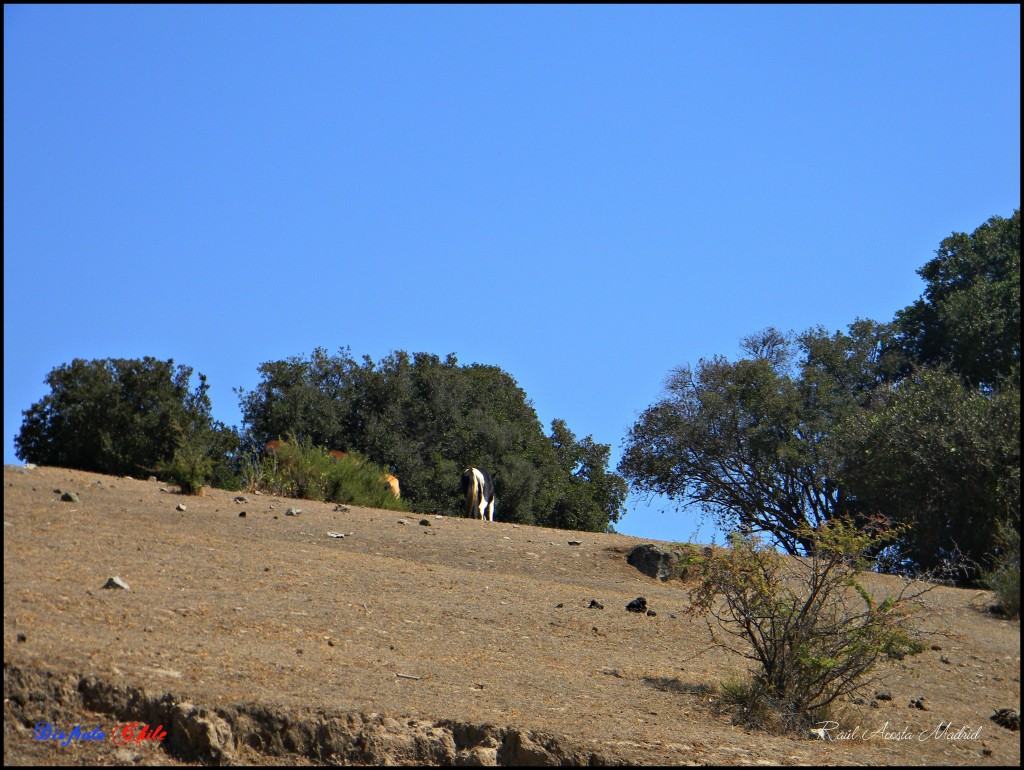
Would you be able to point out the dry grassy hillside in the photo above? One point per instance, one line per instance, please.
(262, 638)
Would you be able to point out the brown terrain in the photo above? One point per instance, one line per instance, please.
(262, 639)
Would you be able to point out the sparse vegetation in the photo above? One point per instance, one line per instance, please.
(691, 557)
(813, 631)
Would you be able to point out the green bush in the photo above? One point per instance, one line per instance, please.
(812, 630)
(115, 416)
(691, 557)
(190, 468)
(300, 470)
(204, 450)
(1004, 578)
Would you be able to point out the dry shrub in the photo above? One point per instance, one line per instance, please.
(812, 630)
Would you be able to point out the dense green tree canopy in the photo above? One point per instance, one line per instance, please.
(750, 441)
(940, 458)
(116, 416)
(427, 419)
(917, 421)
(969, 316)
(590, 498)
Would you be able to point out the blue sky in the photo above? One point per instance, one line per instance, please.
(585, 196)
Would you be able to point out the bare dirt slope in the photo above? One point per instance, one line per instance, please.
(261, 638)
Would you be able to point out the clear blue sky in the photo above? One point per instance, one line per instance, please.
(585, 196)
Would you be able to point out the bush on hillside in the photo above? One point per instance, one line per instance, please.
(1004, 578)
(298, 469)
(812, 630)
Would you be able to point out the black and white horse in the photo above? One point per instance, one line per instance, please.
(478, 489)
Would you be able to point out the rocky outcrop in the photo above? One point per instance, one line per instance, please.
(654, 561)
(1008, 718)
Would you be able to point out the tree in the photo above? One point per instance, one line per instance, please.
(426, 419)
(734, 439)
(310, 398)
(941, 459)
(969, 316)
(918, 420)
(591, 498)
(938, 448)
(118, 416)
(751, 442)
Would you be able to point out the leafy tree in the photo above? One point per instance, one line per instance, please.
(969, 316)
(842, 371)
(918, 420)
(426, 419)
(804, 431)
(309, 398)
(941, 459)
(591, 498)
(439, 418)
(750, 441)
(119, 416)
(938, 447)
